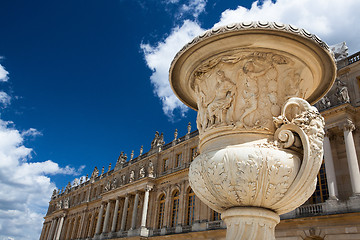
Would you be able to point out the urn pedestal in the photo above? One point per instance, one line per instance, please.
(260, 139)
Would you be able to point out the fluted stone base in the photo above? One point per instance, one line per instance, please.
(250, 223)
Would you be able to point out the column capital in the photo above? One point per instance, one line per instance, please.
(148, 188)
(348, 125)
(329, 133)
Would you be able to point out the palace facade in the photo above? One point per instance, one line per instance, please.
(149, 196)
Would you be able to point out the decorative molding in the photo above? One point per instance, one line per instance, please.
(253, 25)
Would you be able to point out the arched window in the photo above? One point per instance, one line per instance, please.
(175, 208)
(190, 207)
(161, 211)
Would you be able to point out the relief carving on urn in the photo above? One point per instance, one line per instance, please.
(260, 139)
(248, 92)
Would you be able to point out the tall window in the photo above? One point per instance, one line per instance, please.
(190, 207)
(175, 209)
(193, 153)
(178, 160)
(161, 211)
(118, 219)
(165, 164)
(321, 193)
(215, 216)
(94, 225)
(88, 222)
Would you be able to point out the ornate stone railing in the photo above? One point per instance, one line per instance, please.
(214, 225)
(310, 210)
(353, 58)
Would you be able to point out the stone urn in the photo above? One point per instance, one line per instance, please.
(253, 85)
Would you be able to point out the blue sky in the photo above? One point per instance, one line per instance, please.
(81, 81)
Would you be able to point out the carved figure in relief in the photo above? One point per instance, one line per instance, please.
(132, 176)
(66, 203)
(142, 172)
(123, 179)
(342, 92)
(219, 106)
(107, 186)
(324, 103)
(59, 205)
(255, 86)
(113, 184)
(151, 169)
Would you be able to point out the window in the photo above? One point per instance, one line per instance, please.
(175, 209)
(165, 164)
(161, 211)
(88, 222)
(193, 153)
(178, 160)
(215, 216)
(321, 192)
(190, 207)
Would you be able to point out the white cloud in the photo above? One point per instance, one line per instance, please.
(25, 187)
(4, 99)
(196, 7)
(332, 20)
(158, 59)
(3, 74)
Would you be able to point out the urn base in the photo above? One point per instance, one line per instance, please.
(250, 223)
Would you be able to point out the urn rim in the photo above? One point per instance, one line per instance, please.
(211, 42)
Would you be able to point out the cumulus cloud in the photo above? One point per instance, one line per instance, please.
(332, 20)
(25, 186)
(193, 6)
(158, 59)
(187, 8)
(4, 99)
(3, 73)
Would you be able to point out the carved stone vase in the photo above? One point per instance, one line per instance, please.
(260, 139)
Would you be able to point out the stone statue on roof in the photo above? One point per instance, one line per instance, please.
(340, 51)
(122, 158)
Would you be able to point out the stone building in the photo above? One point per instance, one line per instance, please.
(149, 196)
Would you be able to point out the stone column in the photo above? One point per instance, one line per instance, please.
(98, 224)
(134, 213)
(144, 231)
(53, 223)
(107, 215)
(56, 228)
(352, 158)
(167, 210)
(124, 214)
(83, 224)
(68, 228)
(145, 207)
(58, 233)
(329, 167)
(88, 234)
(114, 220)
(182, 205)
